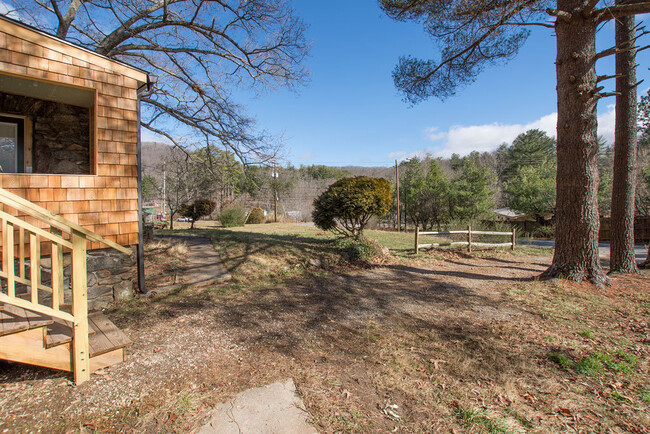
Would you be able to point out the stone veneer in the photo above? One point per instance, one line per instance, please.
(111, 277)
(61, 133)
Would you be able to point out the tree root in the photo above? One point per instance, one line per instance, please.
(596, 276)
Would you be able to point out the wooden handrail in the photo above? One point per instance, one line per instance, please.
(52, 219)
(36, 230)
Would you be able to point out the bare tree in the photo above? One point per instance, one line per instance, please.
(622, 255)
(199, 50)
(476, 34)
(185, 180)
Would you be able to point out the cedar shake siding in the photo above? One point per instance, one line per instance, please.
(80, 115)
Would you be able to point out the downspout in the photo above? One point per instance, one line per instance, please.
(140, 247)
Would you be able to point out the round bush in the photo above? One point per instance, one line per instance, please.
(233, 215)
(256, 216)
(349, 203)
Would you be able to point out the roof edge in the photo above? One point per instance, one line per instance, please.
(72, 44)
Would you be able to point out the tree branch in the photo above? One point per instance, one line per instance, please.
(562, 15)
(589, 8)
(607, 77)
(618, 11)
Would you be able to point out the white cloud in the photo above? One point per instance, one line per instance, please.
(149, 136)
(432, 134)
(606, 122)
(462, 139)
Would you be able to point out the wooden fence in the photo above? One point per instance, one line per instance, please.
(641, 229)
(469, 243)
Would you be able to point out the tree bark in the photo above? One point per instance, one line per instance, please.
(576, 237)
(622, 257)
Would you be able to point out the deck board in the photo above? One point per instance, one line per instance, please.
(99, 343)
(60, 332)
(36, 319)
(12, 320)
(107, 336)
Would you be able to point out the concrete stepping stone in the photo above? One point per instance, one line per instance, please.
(272, 409)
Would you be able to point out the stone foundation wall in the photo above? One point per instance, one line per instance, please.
(112, 277)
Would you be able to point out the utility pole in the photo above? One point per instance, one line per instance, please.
(275, 192)
(164, 204)
(399, 222)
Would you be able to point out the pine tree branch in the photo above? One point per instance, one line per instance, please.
(617, 50)
(608, 94)
(618, 11)
(607, 77)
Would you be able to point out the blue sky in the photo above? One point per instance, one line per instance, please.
(351, 113)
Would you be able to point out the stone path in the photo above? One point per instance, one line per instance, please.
(272, 409)
(203, 265)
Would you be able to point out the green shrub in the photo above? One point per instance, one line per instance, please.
(256, 216)
(359, 249)
(233, 215)
(349, 203)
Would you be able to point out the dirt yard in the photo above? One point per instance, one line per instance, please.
(442, 343)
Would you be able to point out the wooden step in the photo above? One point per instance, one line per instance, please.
(60, 332)
(107, 336)
(32, 338)
(14, 319)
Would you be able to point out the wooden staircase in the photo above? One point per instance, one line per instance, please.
(36, 326)
(37, 339)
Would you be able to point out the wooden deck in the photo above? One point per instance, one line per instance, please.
(37, 339)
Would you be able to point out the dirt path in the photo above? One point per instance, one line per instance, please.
(201, 265)
(355, 343)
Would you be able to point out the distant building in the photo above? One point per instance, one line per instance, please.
(510, 215)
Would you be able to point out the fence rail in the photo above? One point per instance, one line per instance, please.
(469, 243)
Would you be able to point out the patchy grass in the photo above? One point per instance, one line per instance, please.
(185, 403)
(561, 360)
(472, 418)
(163, 259)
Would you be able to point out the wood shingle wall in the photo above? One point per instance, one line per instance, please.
(104, 202)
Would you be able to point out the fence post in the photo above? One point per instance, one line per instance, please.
(469, 239)
(80, 347)
(514, 237)
(417, 239)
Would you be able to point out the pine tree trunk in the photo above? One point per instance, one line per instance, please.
(622, 257)
(576, 238)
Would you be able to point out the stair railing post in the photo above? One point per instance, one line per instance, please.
(80, 346)
(57, 272)
(9, 260)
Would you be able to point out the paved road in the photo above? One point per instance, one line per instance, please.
(641, 251)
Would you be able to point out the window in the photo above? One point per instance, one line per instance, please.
(12, 133)
(45, 127)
